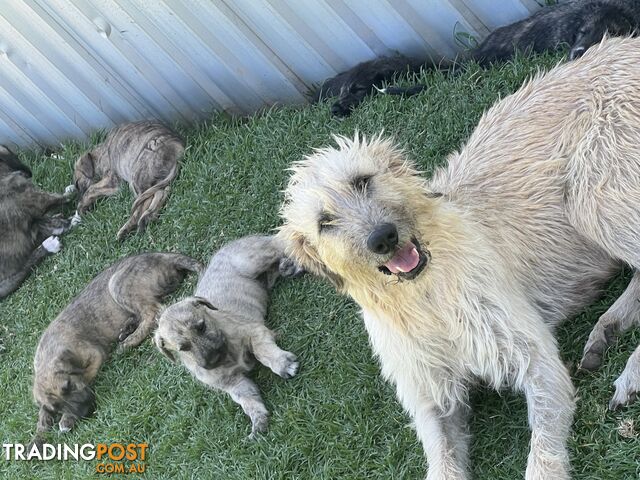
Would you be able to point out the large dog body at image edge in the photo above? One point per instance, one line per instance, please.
(464, 277)
(30, 232)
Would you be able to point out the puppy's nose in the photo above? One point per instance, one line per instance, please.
(383, 239)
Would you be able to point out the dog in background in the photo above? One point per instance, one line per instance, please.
(352, 86)
(119, 305)
(218, 333)
(575, 24)
(143, 154)
(463, 278)
(29, 232)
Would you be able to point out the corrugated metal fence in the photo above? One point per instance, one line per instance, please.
(69, 67)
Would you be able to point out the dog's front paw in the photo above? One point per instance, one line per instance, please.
(66, 423)
(288, 365)
(627, 385)
(70, 190)
(52, 244)
(289, 268)
(75, 220)
(259, 424)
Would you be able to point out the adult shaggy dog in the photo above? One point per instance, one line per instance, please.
(463, 278)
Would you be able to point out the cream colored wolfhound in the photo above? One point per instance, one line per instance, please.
(463, 278)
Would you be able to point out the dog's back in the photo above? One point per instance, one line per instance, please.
(9, 162)
(141, 153)
(575, 24)
(240, 275)
(17, 219)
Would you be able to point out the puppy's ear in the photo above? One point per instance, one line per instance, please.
(300, 251)
(203, 302)
(159, 341)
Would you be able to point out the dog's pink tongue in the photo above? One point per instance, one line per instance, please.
(405, 260)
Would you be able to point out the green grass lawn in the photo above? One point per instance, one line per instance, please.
(337, 419)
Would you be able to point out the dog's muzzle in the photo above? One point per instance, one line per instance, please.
(407, 262)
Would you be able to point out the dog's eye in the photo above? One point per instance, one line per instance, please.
(184, 347)
(360, 183)
(326, 221)
(201, 326)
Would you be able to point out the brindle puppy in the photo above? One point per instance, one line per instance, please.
(9, 162)
(29, 232)
(217, 344)
(76, 344)
(143, 154)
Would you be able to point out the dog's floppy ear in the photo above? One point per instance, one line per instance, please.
(159, 341)
(305, 255)
(203, 302)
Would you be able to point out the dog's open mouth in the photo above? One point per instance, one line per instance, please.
(408, 262)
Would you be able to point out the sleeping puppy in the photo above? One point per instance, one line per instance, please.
(217, 333)
(120, 304)
(143, 154)
(29, 232)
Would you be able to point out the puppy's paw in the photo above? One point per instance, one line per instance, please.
(288, 365)
(52, 244)
(67, 422)
(75, 220)
(289, 268)
(627, 386)
(259, 425)
(70, 190)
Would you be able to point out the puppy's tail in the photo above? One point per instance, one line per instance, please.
(145, 208)
(187, 264)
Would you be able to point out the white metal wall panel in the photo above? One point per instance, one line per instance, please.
(70, 67)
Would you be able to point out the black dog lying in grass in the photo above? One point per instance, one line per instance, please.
(577, 24)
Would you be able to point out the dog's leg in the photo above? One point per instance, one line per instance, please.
(621, 316)
(143, 213)
(48, 247)
(45, 421)
(53, 226)
(264, 347)
(246, 394)
(67, 422)
(107, 186)
(551, 403)
(446, 455)
(628, 384)
(147, 316)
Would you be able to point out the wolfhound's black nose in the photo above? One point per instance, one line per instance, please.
(383, 239)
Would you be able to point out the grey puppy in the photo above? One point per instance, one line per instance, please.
(29, 232)
(217, 344)
(143, 154)
(120, 304)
